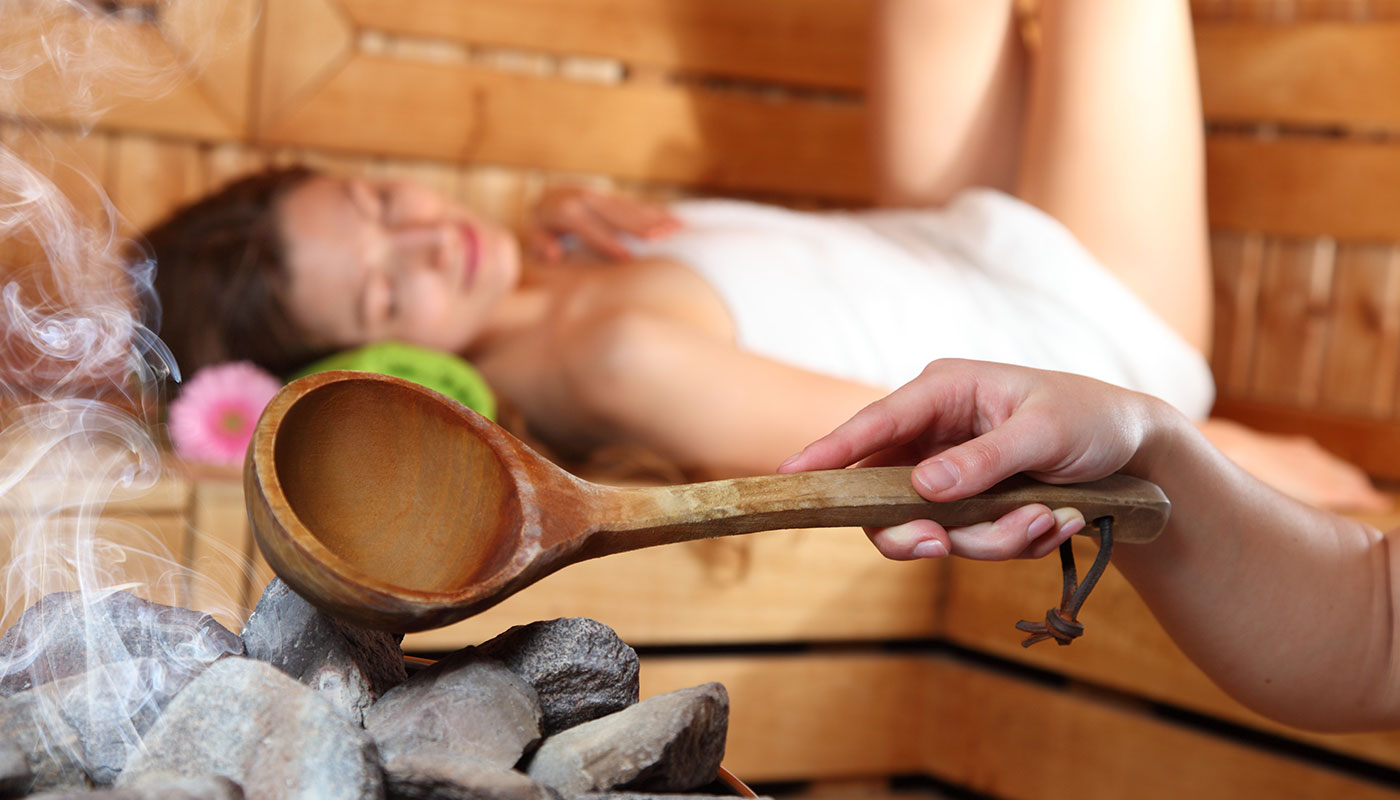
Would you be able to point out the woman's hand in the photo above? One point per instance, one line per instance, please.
(598, 219)
(967, 425)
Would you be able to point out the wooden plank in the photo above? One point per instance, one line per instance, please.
(215, 42)
(781, 586)
(217, 551)
(1363, 348)
(811, 716)
(1370, 444)
(1325, 74)
(807, 42)
(140, 553)
(1123, 648)
(1344, 188)
(840, 716)
(303, 42)
(1013, 739)
(228, 161)
(1292, 322)
(115, 72)
(1236, 261)
(153, 176)
(654, 133)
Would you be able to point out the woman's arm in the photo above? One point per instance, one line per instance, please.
(1289, 608)
(702, 403)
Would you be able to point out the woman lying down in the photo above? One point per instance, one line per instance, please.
(1054, 218)
(721, 335)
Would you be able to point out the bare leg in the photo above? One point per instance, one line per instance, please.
(1113, 148)
(947, 91)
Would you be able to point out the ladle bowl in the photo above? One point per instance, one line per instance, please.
(388, 504)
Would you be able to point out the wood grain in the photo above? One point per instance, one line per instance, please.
(783, 586)
(1302, 186)
(1320, 74)
(694, 136)
(810, 42)
(1363, 345)
(833, 716)
(1292, 321)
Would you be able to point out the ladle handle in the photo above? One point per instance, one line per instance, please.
(635, 518)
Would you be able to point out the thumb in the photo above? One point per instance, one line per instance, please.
(978, 464)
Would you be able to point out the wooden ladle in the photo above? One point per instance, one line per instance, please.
(390, 505)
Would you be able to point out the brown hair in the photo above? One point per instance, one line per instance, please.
(221, 280)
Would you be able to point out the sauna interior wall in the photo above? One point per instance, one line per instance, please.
(491, 100)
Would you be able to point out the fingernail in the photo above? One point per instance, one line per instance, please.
(1069, 520)
(930, 548)
(935, 476)
(789, 461)
(1040, 526)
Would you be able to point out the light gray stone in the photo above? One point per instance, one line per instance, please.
(163, 787)
(579, 667)
(668, 743)
(15, 776)
(432, 774)
(48, 745)
(464, 704)
(349, 665)
(247, 721)
(65, 633)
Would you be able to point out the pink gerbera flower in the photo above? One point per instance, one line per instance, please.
(212, 420)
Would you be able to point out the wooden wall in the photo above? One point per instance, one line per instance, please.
(489, 100)
(900, 669)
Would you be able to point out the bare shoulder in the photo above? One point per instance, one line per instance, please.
(658, 287)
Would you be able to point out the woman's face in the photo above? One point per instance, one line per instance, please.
(375, 260)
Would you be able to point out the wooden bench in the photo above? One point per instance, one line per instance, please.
(844, 669)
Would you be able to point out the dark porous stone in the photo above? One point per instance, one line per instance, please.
(578, 666)
(66, 632)
(247, 721)
(465, 704)
(15, 776)
(158, 787)
(349, 665)
(430, 774)
(669, 743)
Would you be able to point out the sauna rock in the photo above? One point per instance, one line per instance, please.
(250, 722)
(62, 633)
(463, 704)
(159, 787)
(50, 753)
(579, 667)
(668, 743)
(437, 775)
(349, 665)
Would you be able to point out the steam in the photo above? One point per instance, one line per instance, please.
(79, 378)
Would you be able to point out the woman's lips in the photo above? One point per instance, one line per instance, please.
(471, 253)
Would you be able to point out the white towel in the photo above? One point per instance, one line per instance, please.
(874, 296)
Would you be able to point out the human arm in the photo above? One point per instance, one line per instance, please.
(599, 219)
(702, 403)
(1288, 608)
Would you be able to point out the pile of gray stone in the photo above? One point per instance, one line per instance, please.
(301, 705)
